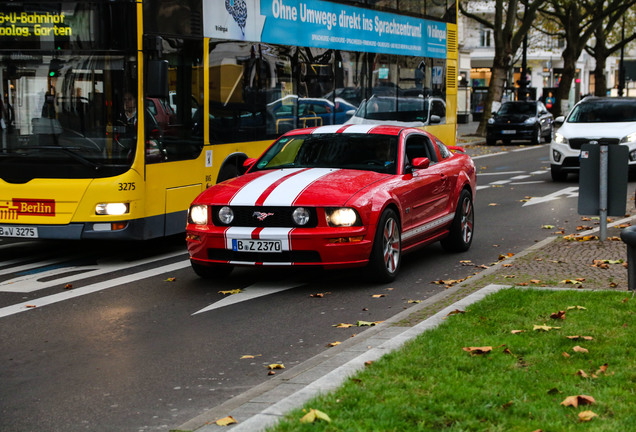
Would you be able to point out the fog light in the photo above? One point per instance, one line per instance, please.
(556, 156)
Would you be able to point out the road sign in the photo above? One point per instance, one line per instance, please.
(590, 180)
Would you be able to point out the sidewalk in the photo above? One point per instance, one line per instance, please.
(558, 263)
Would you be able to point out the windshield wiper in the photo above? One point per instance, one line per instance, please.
(69, 151)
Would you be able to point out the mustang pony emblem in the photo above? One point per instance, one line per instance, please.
(261, 216)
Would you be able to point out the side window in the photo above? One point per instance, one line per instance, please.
(418, 146)
(443, 150)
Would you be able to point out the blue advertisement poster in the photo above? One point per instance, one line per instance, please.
(322, 24)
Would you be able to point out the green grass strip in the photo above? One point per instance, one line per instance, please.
(432, 384)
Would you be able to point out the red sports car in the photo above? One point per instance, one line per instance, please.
(336, 196)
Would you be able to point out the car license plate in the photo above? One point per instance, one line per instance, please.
(508, 132)
(272, 246)
(18, 231)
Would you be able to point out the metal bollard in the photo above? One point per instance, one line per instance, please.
(628, 235)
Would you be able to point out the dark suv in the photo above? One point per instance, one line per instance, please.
(520, 120)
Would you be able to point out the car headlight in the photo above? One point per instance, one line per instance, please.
(530, 121)
(301, 216)
(560, 139)
(629, 138)
(341, 217)
(198, 214)
(491, 120)
(112, 209)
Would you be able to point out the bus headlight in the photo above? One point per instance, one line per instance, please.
(112, 209)
(341, 217)
(198, 214)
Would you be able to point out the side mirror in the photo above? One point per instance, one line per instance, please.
(248, 163)
(421, 163)
(456, 149)
(435, 119)
(157, 79)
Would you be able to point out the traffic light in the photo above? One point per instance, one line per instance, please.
(55, 67)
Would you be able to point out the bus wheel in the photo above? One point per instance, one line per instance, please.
(213, 271)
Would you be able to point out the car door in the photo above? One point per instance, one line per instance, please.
(545, 118)
(426, 191)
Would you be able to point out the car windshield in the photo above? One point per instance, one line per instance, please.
(604, 111)
(348, 151)
(516, 108)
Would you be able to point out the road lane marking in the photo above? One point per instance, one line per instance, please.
(89, 289)
(251, 292)
(55, 276)
(569, 192)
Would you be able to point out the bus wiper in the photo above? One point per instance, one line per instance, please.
(69, 151)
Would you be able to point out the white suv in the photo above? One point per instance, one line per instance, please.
(605, 120)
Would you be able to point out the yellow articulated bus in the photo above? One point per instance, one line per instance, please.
(116, 114)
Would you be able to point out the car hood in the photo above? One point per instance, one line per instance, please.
(597, 130)
(512, 118)
(293, 186)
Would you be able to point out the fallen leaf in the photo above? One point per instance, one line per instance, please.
(576, 307)
(586, 416)
(558, 315)
(171, 279)
(517, 331)
(368, 323)
(547, 226)
(478, 350)
(580, 349)
(248, 356)
(342, 325)
(333, 344)
(275, 366)
(577, 400)
(582, 373)
(544, 328)
(535, 281)
(492, 204)
(314, 415)
(30, 306)
(566, 355)
(230, 292)
(602, 369)
(226, 421)
(317, 295)
(455, 312)
(414, 301)
(378, 295)
(68, 286)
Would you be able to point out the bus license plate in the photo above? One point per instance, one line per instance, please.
(18, 231)
(272, 246)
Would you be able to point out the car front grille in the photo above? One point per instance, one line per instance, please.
(577, 143)
(254, 216)
(282, 257)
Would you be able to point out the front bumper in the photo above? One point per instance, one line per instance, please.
(321, 246)
(567, 159)
(511, 132)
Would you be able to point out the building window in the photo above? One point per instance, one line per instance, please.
(485, 36)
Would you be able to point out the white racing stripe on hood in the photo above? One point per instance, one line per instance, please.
(248, 195)
(362, 128)
(286, 193)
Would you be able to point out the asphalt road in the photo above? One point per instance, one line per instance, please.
(125, 337)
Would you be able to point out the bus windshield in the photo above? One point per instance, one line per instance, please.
(67, 116)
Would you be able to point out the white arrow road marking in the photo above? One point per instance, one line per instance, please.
(569, 192)
(31, 282)
(251, 292)
(89, 289)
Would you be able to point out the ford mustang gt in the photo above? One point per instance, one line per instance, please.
(336, 196)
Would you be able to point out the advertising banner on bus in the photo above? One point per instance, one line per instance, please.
(322, 24)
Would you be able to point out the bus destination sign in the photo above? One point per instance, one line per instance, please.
(33, 24)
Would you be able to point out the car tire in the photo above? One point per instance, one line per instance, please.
(462, 229)
(212, 271)
(557, 174)
(536, 139)
(548, 137)
(386, 254)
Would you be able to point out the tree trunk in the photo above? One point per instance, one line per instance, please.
(495, 92)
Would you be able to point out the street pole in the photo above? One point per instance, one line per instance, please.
(524, 70)
(621, 65)
(603, 191)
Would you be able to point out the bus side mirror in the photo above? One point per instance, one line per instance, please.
(157, 79)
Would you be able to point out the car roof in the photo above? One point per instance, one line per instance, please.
(371, 129)
(589, 99)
